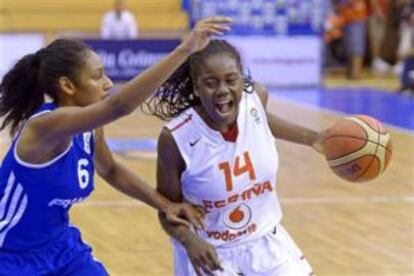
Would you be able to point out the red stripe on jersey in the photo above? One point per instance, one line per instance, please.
(231, 134)
(186, 120)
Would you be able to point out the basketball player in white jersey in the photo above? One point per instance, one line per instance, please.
(218, 151)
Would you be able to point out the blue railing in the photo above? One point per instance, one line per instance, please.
(263, 17)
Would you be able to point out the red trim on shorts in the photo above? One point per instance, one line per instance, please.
(186, 120)
(231, 134)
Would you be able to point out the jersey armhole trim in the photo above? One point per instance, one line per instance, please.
(41, 165)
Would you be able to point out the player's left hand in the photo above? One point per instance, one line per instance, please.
(203, 31)
(185, 214)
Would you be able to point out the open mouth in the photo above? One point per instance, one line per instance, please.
(224, 107)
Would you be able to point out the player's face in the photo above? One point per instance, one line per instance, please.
(93, 84)
(219, 84)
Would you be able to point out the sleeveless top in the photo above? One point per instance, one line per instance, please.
(35, 198)
(235, 182)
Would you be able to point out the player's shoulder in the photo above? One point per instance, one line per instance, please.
(182, 121)
(261, 92)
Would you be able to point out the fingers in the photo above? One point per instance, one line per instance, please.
(211, 262)
(195, 216)
(217, 19)
(202, 32)
(214, 25)
(218, 29)
(198, 223)
(197, 267)
(177, 220)
(202, 24)
(203, 257)
(213, 29)
(200, 209)
(207, 271)
(206, 264)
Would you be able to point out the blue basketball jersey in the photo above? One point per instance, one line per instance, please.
(35, 198)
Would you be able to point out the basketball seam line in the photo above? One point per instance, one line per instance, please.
(368, 125)
(374, 155)
(357, 138)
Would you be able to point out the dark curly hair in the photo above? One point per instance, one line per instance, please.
(177, 93)
(24, 87)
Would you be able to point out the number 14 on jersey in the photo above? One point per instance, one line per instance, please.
(239, 168)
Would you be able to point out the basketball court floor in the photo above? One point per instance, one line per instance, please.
(344, 229)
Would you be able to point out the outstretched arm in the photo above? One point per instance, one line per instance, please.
(130, 184)
(289, 131)
(67, 121)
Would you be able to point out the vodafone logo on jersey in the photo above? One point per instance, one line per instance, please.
(238, 217)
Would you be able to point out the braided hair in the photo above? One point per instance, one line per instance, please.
(24, 87)
(177, 93)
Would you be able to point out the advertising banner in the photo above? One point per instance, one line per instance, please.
(124, 59)
(281, 60)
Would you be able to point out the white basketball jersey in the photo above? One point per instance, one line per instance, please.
(234, 181)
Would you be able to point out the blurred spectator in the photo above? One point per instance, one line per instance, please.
(405, 21)
(119, 23)
(378, 11)
(405, 66)
(407, 75)
(333, 36)
(354, 13)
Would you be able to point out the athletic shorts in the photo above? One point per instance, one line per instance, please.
(355, 38)
(274, 254)
(66, 257)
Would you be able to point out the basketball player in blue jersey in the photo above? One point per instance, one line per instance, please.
(57, 146)
(218, 151)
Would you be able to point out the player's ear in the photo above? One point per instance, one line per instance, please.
(66, 85)
(196, 93)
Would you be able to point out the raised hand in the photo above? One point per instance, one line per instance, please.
(201, 34)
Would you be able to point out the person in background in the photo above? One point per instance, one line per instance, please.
(377, 22)
(404, 68)
(354, 13)
(333, 36)
(119, 23)
(59, 144)
(405, 23)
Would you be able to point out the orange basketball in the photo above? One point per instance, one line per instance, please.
(358, 148)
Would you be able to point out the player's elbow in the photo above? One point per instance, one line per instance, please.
(107, 172)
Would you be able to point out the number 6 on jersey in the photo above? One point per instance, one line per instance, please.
(83, 174)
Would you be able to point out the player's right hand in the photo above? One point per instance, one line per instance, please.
(203, 256)
(318, 143)
(203, 30)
